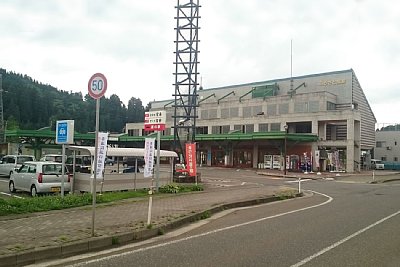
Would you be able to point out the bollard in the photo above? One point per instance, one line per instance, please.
(150, 206)
(299, 185)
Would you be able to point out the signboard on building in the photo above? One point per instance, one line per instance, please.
(155, 120)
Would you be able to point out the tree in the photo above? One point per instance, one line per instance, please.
(135, 111)
(30, 104)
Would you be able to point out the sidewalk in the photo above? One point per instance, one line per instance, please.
(31, 238)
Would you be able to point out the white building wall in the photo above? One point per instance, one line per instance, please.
(351, 123)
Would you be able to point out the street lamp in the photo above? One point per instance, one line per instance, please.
(285, 149)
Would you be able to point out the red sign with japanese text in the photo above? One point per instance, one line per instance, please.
(191, 158)
(154, 121)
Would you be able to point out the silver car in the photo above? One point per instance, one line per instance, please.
(10, 163)
(52, 157)
(40, 177)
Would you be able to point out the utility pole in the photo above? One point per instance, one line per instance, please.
(2, 128)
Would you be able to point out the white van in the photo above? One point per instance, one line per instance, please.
(377, 164)
(10, 163)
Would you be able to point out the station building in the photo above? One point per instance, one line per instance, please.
(319, 121)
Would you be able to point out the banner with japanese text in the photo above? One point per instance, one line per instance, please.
(191, 158)
(149, 156)
(101, 154)
(316, 158)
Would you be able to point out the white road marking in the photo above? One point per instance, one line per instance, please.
(208, 233)
(300, 263)
(10, 195)
(296, 181)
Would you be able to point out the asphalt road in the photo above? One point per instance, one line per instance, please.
(339, 224)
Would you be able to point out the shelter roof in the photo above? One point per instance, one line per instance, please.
(121, 151)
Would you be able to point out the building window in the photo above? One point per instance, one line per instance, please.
(263, 127)
(313, 106)
(133, 132)
(330, 106)
(395, 159)
(247, 112)
(383, 158)
(168, 116)
(225, 129)
(283, 108)
(275, 127)
(256, 110)
(379, 144)
(249, 128)
(271, 110)
(300, 107)
(234, 112)
(212, 114)
(215, 130)
(224, 113)
(204, 114)
(220, 129)
(202, 130)
(238, 127)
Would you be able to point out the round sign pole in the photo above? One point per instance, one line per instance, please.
(97, 87)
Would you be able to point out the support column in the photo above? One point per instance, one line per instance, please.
(255, 156)
(350, 146)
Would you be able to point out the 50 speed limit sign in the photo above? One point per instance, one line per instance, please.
(97, 85)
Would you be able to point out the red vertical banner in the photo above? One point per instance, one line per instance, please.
(191, 158)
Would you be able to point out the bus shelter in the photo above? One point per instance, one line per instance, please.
(116, 177)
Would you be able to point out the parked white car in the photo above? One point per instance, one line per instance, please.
(377, 164)
(51, 157)
(10, 163)
(39, 177)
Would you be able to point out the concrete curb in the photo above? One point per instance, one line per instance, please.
(104, 242)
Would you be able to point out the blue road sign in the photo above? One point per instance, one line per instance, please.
(62, 132)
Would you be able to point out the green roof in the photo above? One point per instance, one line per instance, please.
(235, 135)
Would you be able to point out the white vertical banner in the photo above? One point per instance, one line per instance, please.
(101, 154)
(149, 156)
(316, 158)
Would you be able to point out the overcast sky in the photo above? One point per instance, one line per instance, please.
(64, 42)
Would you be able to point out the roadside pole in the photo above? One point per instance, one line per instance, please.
(134, 179)
(97, 87)
(155, 121)
(63, 170)
(149, 171)
(95, 165)
(64, 135)
(158, 161)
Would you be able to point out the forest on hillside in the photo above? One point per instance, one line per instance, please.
(29, 105)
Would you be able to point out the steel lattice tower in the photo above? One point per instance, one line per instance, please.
(186, 73)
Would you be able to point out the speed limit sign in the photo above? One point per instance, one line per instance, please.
(97, 85)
